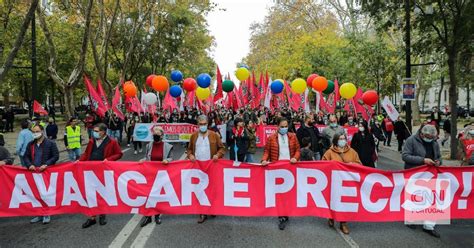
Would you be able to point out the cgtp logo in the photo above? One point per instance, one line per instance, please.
(142, 132)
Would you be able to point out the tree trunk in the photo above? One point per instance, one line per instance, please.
(6, 99)
(440, 92)
(69, 101)
(453, 98)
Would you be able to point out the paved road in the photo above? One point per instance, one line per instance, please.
(224, 231)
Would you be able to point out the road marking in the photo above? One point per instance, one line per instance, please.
(351, 242)
(125, 150)
(123, 235)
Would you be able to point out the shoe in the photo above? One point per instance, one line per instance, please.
(331, 223)
(140, 151)
(202, 218)
(344, 228)
(282, 221)
(157, 219)
(433, 233)
(135, 152)
(88, 223)
(46, 220)
(146, 220)
(411, 226)
(102, 220)
(36, 220)
(128, 145)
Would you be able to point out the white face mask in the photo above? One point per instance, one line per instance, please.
(37, 135)
(362, 129)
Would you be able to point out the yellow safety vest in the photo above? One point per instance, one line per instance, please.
(73, 137)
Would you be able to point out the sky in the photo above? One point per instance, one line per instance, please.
(231, 31)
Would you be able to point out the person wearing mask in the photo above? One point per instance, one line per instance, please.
(329, 131)
(113, 127)
(40, 153)
(309, 130)
(387, 127)
(100, 148)
(306, 153)
(364, 144)
(157, 150)
(401, 131)
(89, 122)
(340, 151)
(377, 131)
(5, 156)
(350, 122)
(239, 141)
(252, 147)
(72, 139)
(435, 116)
(281, 145)
(204, 145)
(422, 149)
(52, 129)
(24, 138)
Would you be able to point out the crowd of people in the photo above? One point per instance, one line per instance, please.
(297, 139)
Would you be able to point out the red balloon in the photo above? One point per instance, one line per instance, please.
(370, 97)
(189, 84)
(149, 80)
(310, 79)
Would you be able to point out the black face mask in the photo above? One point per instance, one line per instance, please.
(156, 138)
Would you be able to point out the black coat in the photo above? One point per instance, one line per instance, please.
(241, 142)
(364, 145)
(313, 133)
(401, 130)
(50, 153)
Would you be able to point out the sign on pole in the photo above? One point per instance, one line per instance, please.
(408, 89)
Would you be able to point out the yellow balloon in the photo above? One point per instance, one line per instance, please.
(348, 90)
(298, 85)
(242, 73)
(203, 93)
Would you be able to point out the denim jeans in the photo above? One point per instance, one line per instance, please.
(249, 158)
(74, 154)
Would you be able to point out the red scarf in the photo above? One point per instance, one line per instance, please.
(157, 151)
(238, 132)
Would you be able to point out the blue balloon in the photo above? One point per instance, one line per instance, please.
(276, 87)
(176, 76)
(203, 80)
(175, 91)
(244, 65)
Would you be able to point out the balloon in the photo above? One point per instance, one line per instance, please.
(310, 79)
(330, 88)
(298, 85)
(244, 66)
(149, 80)
(189, 84)
(227, 86)
(176, 76)
(276, 86)
(175, 91)
(242, 73)
(129, 89)
(370, 97)
(319, 83)
(348, 90)
(203, 93)
(150, 98)
(160, 83)
(203, 80)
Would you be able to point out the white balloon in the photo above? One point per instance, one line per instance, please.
(150, 98)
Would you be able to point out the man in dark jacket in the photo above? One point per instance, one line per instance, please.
(5, 156)
(401, 132)
(422, 149)
(100, 148)
(40, 153)
(308, 129)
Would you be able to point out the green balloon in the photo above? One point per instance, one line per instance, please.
(330, 88)
(227, 86)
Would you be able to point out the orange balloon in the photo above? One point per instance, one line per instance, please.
(129, 89)
(160, 83)
(319, 83)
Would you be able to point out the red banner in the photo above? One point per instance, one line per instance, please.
(345, 192)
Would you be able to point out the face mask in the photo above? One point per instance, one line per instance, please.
(333, 124)
(283, 131)
(376, 123)
(428, 120)
(471, 132)
(96, 135)
(341, 143)
(203, 128)
(156, 138)
(427, 140)
(37, 135)
(362, 129)
(189, 117)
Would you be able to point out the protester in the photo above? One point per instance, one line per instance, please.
(387, 127)
(89, 122)
(204, 145)
(72, 139)
(377, 131)
(24, 138)
(436, 116)
(401, 131)
(114, 127)
(422, 149)
(306, 153)
(239, 141)
(52, 129)
(252, 147)
(5, 156)
(137, 145)
(281, 146)
(340, 151)
(328, 132)
(308, 129)
(364, 144)
(40, 153)
(100, 148)
(157, 150)
(447, 130)
(9, 118)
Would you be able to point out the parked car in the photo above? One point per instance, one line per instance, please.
(471, 112)
(462, 112)
(18, 110)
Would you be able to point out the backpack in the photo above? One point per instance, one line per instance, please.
(389, 126)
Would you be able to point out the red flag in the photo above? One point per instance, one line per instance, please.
(37, 108)
(97, 102)
(116, 103)
(169, 102)
(294, 100)
(244, 92)
(219, 94)
(190, 100)
(359, 105)
(102, 95)
(254, 92)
